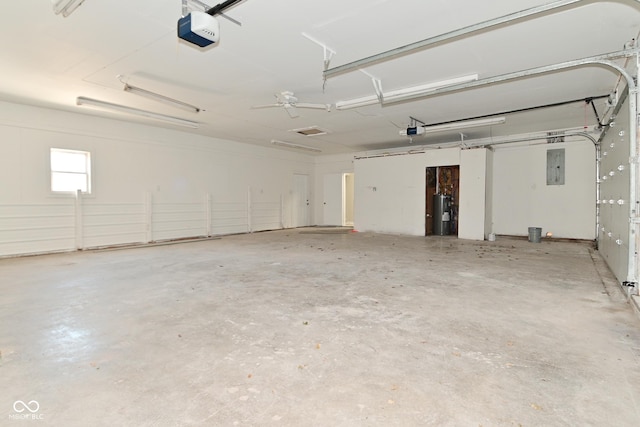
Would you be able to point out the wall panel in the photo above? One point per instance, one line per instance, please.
(148, 183)
(112, 224)
(230, 218)
(266, 216)
(29, 228)
(473, 171)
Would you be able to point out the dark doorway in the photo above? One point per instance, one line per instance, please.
(442, 200)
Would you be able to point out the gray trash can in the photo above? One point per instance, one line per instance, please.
(535, 234)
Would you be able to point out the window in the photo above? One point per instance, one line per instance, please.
(70, 171)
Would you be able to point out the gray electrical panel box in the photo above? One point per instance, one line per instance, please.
(555, 166)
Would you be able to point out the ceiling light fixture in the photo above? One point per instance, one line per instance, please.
(296, 146)
(420, 130)
(66, 7)
(89, 102)
(397, 95)
(161, 98)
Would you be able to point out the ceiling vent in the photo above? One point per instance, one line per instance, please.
(310, 131)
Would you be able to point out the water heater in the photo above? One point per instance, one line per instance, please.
(441, 215)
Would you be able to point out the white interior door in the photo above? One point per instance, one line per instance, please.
(300, 202)
(348, 200)
(332, 202)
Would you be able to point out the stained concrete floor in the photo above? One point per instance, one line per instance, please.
(330, 329)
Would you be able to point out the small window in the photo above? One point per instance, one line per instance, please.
(70, 171)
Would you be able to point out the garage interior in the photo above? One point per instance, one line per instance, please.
(386, 213)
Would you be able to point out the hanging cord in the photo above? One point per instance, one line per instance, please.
(595, 111)
(585, 114)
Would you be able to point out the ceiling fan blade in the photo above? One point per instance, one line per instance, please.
(266, 106)
(293, 112)
(315, 106)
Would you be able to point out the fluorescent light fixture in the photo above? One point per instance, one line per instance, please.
(357, 103)
(398, 94)
(161, 98)
(89, 102)
(296, 146)
(420, 130)
(66, 7)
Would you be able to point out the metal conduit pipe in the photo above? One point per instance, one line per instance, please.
(522, 110)
(598, 192)
(634, 218)
(532, 137)
(634, 170)
(442, 38)
(603, 60)
(481, 143)
(489, 142)
(217, 9)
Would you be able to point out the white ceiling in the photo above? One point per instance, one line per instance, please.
(49, 60)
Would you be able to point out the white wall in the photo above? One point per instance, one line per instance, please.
(349, 198)
(471, 215)
(135, 169)
(488, 217)
(327, 165)
(151, 183)
(522, 198)
(504, 192)
(390, 190)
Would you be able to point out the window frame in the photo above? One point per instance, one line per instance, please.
(86, 174)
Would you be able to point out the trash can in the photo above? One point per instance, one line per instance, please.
(535, 234)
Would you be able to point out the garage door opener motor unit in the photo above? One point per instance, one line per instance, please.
(199, 28)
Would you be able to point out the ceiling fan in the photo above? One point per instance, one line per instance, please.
(290, 103)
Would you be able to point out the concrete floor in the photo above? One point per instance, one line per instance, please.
(291, 328)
